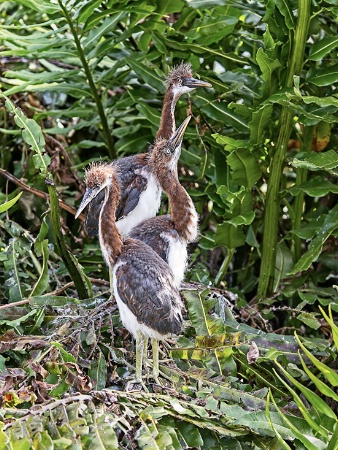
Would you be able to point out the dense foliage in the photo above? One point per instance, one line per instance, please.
(83, 81)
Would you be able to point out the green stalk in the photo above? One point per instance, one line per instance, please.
(272, 205)
(299, 200)
(69, 260)
(94, 90)
(224, 267)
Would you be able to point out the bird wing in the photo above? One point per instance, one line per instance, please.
(145, 283)
(131, 181)
(154, 231)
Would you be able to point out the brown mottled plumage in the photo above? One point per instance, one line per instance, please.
(148, 299)
(140, 190)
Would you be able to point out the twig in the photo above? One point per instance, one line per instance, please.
(38, 193)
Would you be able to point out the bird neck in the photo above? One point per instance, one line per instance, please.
(182, 210)
(110, 239)
(167, 125)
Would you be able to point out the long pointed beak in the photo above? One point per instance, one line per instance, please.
(87, 198)
(193, 83)
(177, 137)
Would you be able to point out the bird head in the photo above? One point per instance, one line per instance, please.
(166, 152)
(180, 79)
(98, 177)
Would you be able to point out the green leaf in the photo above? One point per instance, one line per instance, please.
(7, 205)
(310, 320)
(40, 5)
(316, 245)
(267, 66)
(316, 187)
(67, 357)
(327, 372)
(98, 373)
(322, 387)
(43, 281)
(285, 9)
(244, 167)
(323, 76)
(316, 161)
(229, 236)
(219, 111)
(261, 118)
(146, 72)
(321, 48)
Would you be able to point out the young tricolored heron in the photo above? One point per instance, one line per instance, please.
(169, 234)
(144, 287)
(140, 189)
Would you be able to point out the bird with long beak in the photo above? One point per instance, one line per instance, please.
(143, 284)
(140, 188)
(169, 234)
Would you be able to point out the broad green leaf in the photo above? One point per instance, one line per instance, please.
(189, 434)
(321, 48)
(41, 6)
(316, 187)
(245, 219)
(268, 415)
(260, 120)
(147, 73)
(309, 319)
(219, 111)
(98, 373)
(229, 236)
(266, 65)
(16, 322)
(169, 6)
(7, 205)
(316, 245)
(323, 76)
(316, 161)
(245, 167)
(285, 8)
(86, 11)
(67, 357)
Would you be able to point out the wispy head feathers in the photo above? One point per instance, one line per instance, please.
(182, 70)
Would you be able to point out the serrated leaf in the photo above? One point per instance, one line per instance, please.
(309, 320)
(316, 161)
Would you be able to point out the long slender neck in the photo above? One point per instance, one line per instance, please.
(110, 238)
(182, 210)
(167, 125)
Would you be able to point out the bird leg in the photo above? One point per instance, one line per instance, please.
(156, 370)
(141, 343)
(111, 282)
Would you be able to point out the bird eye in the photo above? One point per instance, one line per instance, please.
(167, 151)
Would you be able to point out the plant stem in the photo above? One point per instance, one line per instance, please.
(94, 90)
(69, 260)
(272, 208)
(224, 267)
(299, 200)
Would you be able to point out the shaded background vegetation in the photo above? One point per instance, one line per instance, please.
(259, 160)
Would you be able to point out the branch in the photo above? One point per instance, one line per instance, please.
(38, 193)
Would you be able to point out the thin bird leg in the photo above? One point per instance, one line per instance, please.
(111, 282)
(140, 343)
(139, 356)
(156, 370)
